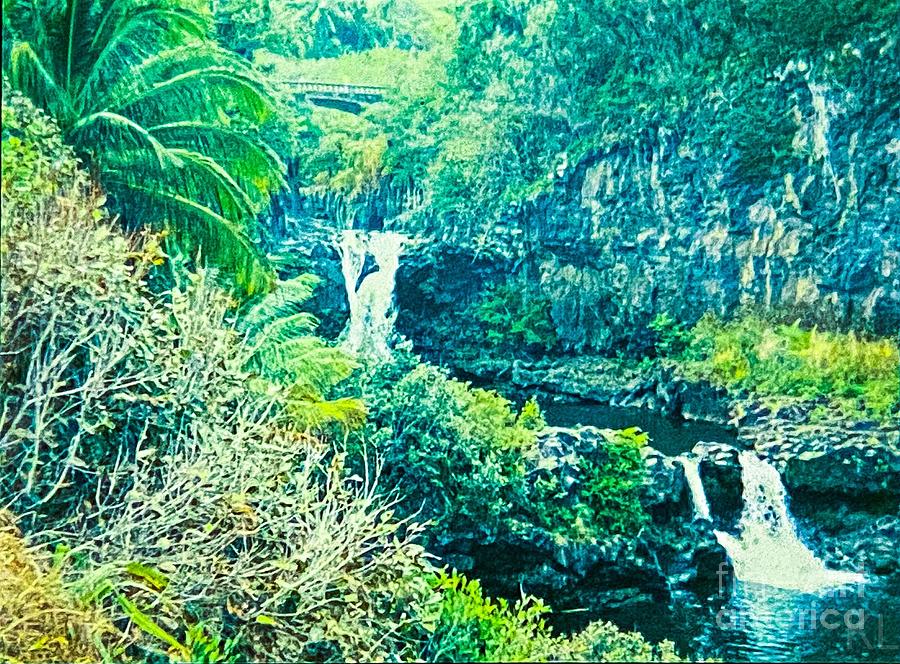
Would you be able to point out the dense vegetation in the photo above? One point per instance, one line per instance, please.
(859, 377)
(189, 472)
(173, 464)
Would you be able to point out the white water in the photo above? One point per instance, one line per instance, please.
(768, 550)
(372, 313)
(691, 467)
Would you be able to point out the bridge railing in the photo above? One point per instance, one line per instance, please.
(336, 89)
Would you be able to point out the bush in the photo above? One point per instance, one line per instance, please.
(260, 531)
(468, 465)
(859, 377)
(604, 499)
(35, 162)
(39, 620)
(671, 336)
(469, 627)
(456, 454)
(150, 435)
(73, 325)
(511, 316)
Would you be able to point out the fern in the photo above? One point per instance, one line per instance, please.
(283, 350)
(166, 118)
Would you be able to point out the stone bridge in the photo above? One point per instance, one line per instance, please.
(347, 97)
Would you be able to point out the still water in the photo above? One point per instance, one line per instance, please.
(671, 436)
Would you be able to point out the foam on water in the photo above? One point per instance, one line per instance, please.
(372, 313)
(768, 549)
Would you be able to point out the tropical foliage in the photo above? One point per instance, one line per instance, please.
(771, 360)
(325, 29)
(190, 473)
(466, 462)
(167, 120)
(456, 454)
(283, 350)
(474, 628)
(165, 457)
(513, 317)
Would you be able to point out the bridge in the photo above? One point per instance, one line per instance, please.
(347, 97)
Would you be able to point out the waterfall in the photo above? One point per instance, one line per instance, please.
(691, 467)
(370, 295)
(768, 550)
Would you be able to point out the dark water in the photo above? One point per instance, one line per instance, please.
(757, 623)
(671, 436)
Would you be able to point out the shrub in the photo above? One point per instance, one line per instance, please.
(612, 483)
(469, 627)
(457, 454)
(73, 314)
(147, 433)
(672, 336)
(260, 530)
(36, 163)
(511, 316)
(854, 375)
(469, 466)
(39, 620)
(466, 626)
(604, 500)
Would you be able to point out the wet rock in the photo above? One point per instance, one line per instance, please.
(720, 472)
(672, 551)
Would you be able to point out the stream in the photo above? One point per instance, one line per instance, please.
(778, 602)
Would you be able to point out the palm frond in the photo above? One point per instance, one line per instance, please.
(253, 164)
(126, 131)
(28, 72)
(286, 299)
(208, 78)
(198, 228)
(134, 36)
(170, 121)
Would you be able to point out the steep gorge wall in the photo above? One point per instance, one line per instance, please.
(671, 225)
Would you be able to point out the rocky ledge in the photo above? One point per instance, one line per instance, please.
(672, 552)
(655, 385)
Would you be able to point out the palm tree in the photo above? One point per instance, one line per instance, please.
(167, 120)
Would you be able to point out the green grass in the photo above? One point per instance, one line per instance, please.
(858, 376)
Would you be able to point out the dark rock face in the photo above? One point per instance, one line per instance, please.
(720, 471)
(665, 226)
(312, 248)
(672, 552)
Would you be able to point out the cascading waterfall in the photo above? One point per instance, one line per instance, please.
(768, 549)
(691, 467)
(370, 296)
